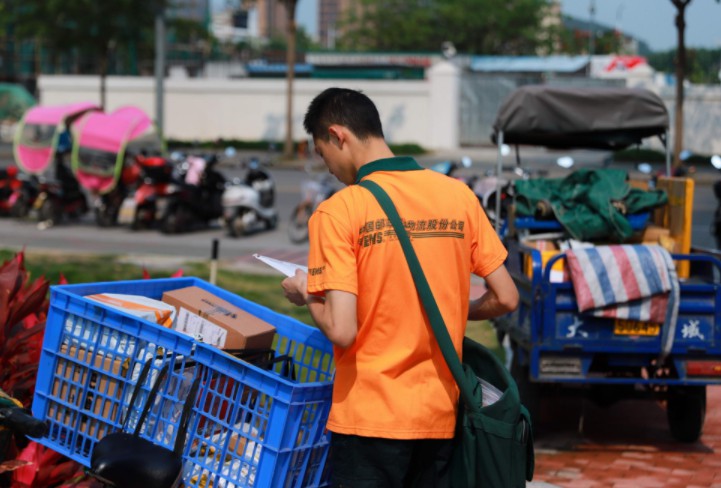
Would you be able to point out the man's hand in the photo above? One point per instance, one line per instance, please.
(295, 288)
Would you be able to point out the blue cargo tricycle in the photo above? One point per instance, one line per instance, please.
(553, 345)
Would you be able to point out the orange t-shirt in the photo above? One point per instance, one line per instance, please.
(393, 381)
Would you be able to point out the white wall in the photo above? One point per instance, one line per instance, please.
(254, 109)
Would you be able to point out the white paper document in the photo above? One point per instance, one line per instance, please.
(285, 267)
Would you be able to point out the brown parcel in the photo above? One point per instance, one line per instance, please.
(72, 382)
(241, 330)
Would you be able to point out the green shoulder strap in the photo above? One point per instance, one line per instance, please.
(424, 290)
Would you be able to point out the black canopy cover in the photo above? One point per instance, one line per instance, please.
(565, 118)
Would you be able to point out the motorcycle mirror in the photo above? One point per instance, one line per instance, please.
(230, 152)
(644, 168)
(505, 150)
(716, 161)
(565, 162)
(466, 161)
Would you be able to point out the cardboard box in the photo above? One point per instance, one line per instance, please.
(217, 322)
(81, 382)
(676, 216)
(548, 249)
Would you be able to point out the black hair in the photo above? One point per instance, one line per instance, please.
(342, 106)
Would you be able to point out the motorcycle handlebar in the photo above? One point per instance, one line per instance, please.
(17, 420)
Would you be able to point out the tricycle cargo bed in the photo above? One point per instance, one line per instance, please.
(559, 344)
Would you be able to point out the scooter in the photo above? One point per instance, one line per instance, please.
(17, 192)
(195, 197)
(156, 175)
(249, 203)
(313, 193)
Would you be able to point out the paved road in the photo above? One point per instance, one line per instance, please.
(85, 236)
(627, 445)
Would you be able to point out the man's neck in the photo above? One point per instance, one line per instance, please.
(373, 150)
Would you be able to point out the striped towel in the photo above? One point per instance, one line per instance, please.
(635, 282)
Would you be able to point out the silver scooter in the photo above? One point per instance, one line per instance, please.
(249, 202)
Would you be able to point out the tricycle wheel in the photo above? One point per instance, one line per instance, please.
(529, 391)
(686, 411)
(298, 224)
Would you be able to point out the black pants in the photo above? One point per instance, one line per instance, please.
(371, 462)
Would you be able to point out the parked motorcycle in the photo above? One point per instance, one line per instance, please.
(195, 196)
(249, 203)
(17, 192)
(156, 174)
(313, 193)
(451, 168)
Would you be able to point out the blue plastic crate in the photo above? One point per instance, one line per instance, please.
(250, 427)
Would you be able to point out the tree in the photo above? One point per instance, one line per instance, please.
(84, 25)
(474, 26)
(680, 77)
(702, 65)
(290, 75)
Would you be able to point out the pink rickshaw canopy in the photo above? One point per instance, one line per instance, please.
(37, 138)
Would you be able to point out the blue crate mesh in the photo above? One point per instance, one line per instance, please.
(249, 427)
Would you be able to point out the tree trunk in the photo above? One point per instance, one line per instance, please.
(680, 77)
(290, 75)
(103, 75)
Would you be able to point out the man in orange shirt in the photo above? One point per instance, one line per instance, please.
(394, 400)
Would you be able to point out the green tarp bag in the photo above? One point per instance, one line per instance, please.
(493, 445)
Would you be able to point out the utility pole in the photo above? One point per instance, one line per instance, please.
(591, 33)
(290, 75)
(680, 78)
(159, 67)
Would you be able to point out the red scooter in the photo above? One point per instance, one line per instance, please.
(156, 175)
(17, 193)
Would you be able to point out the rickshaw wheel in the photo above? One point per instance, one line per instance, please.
(49, 212)
(21, 208)
(104, 218)
(686, 412)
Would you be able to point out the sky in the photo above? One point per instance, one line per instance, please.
(651, 21)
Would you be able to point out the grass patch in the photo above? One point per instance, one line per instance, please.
(484, 333)
(262, 289)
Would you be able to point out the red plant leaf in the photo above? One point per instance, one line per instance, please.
(62, 280)
(146, 275)
(12, 274)
(177, 274)
(12, 465)
(25, 475)
(53, 472)
(34, 297)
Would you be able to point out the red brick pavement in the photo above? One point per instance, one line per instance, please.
(627, 445)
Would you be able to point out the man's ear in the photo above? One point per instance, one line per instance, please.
(337, 136)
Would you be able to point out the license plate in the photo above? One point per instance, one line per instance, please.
(636, 327)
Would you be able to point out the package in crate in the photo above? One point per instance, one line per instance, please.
(254, 422)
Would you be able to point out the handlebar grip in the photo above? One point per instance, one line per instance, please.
(17, 420)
